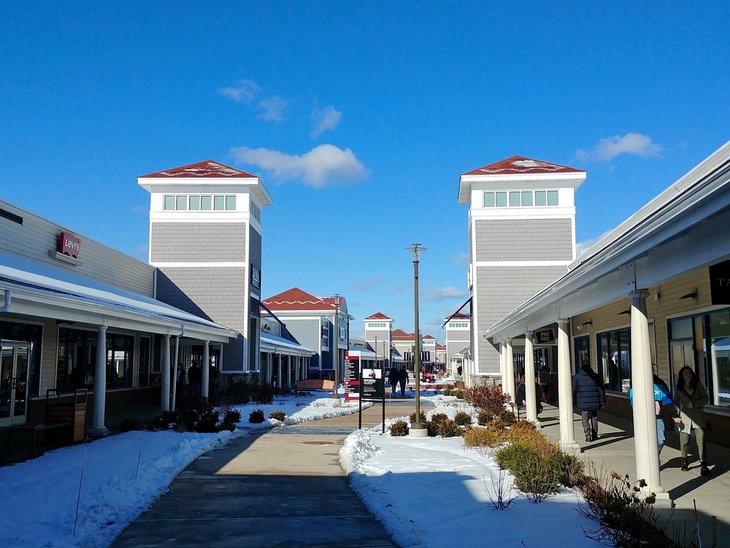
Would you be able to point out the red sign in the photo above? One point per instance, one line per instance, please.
(68, 244)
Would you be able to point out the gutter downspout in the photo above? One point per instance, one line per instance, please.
(6, 306)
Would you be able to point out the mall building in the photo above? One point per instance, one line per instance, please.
(653, 291)
(76, 314)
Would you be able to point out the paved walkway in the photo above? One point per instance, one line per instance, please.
(281, 488)
(614, 451)
(286, 488)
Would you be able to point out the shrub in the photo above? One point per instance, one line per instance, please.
(521, 430)
(449, 429)
(484, 419)
(536, 474)
(422, 416)
(157, 424)
(278, 415)
(625, 518)
(231, 415)
(256, 416)
(483, 437)
(508, 416)
(399, 428)
(436, 418)
(487, 400)
(459, 394)
(462, 418)
(207, 422)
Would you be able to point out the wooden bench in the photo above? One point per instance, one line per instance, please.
(305, 385)
(66, 415)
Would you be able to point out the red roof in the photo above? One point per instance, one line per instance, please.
(208, 168)
(429, 337)
(399, 334)
(440, 346)
(296, 299)
(458, 316)
(520, 165)
(378, 316)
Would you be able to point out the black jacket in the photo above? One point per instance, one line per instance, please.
(588, 394)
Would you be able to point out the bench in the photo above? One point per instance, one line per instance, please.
(315, 384)
(66, 416)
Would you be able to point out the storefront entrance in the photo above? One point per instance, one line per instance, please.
(13, 382)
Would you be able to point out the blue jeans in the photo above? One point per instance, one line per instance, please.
(660, 432)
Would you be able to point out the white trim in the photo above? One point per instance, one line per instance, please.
(522, 263)
(168, 264)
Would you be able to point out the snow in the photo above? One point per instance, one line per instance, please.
(427, 492)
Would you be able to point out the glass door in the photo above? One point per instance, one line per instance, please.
(13, 382)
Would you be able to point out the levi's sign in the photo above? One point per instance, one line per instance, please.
(68, 244)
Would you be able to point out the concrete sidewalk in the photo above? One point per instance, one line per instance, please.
(614, 451)
(284, 487)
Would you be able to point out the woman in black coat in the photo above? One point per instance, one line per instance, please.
(589, 396)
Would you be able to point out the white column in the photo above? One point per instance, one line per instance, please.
(501, 363)
(530, 394)
(165, 384)
(296, 369)
(565, 391)
(205, 385)
(288, 371)
(269, 367)
(278, 371)
(642, 384)
(98, 429)
(508, 383)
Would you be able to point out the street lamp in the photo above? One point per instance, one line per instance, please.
(336, 353)
(417, 429)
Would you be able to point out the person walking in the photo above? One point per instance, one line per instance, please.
(402, 380)
(690, 398)
(589, 396)
(661, 397)
(393, 378)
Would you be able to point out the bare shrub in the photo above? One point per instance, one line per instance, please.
(498, 494)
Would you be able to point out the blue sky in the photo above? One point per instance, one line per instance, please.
(359, 117)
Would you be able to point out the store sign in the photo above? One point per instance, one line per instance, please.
(255, 277)
(68, 244)
(720, 283)
(544, 336)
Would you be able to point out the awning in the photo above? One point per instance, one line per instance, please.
(42, 290)
(273, 344)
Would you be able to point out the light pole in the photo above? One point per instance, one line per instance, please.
(417, 429)
(336, 353)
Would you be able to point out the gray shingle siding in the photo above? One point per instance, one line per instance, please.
(198, 242)
(524, 240)
(501, 290)
(214, 293)
(37, 236)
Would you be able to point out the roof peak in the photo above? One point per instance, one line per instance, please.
(522, 165)
(206, 169)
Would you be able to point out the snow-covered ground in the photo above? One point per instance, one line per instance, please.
(427, 492)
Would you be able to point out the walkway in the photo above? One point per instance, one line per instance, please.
(281, 488)
(614, 451)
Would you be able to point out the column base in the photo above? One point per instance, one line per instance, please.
(336, 402)
(421, 432)
(662, 499)
(98, 432)
(570, 447)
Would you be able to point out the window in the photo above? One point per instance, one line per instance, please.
(194, 203)
(205, 203)
(372, 325)
(457, 325)
(219, 203)
(230, 203)
(614, 359)
(181, 203)
(521, 198)
(169, 202)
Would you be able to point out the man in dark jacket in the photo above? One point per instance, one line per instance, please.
(589, 396)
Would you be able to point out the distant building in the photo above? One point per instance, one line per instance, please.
(521, 238)
(458, 342)
(378, 335)
(311, 320)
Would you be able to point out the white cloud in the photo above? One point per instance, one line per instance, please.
(325, 118)
(369, 284)
(608, 148)
(440, 293)
(319, 167)
(272, 109)
(461, 258)
(243, 91)
(585, 245)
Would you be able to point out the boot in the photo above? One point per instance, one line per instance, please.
(685, 464)
(703, 468)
